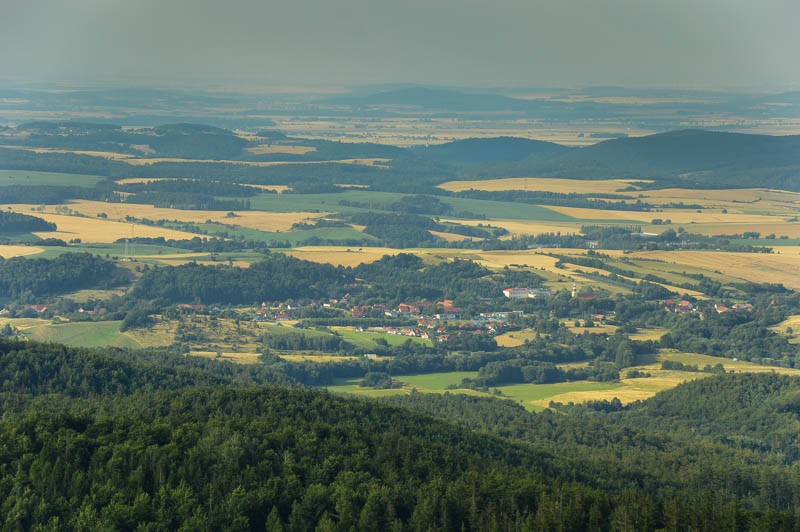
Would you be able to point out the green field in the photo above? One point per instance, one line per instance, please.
(529, 393)
(82, 334)
(330, 203)
(439, 382)
(27, 177)
(112, 250)
(367, 339)
(293, 237)
(428, 383)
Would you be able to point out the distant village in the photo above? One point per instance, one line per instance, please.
(420, 319)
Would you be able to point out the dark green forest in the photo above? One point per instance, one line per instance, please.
(687, 158)
(109, 439)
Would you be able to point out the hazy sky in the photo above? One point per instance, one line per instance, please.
(667, 43)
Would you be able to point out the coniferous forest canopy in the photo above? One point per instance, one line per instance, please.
(399, 308)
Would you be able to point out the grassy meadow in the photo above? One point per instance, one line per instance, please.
(537, 397)
(82, 334)
(28, 177)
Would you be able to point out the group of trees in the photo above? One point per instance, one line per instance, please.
(30, 280)
(118, 440)
(303, 342)
(279, 277)
(12, 222)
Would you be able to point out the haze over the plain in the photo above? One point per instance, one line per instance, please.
(685, 43)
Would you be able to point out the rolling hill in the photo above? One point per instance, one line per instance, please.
(477, 150)
(686, 158)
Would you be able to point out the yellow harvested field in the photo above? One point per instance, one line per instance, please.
(722, 196)
(263, 149)
(515, 338)
(643, 335)
(180, 262)
(264, 221)
(104, 154)
(277, 188)
(161, 334)
(95, 230)
(135, 180)
(341, 256)
(739, 366)
(629, 392)
(239, 358)
(545, 184)
(8, 252)
(533, 259)
(789, 229)
(353, 256)
(678, 216)
(82, 296)
(783, 266)
(643, 388)
(153, 160)
(599, 328)
(522, 227)
(452, 237)
(24, 323)
(792, 323)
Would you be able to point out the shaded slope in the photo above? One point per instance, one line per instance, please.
(488, 150)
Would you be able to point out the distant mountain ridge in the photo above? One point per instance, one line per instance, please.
(481, 150)
(437, 98)
(690, 158)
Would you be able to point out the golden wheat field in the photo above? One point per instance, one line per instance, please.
(544, 184)
(341, 256)
(135, 180)
(678, 216)
(8, 252)
(264, 149)
(643, 388)
(789, 327)
(239, 358)
(96, 230)
(523, 227)
(92, 153)
(180, 262)
(533, 259)
(732, 199)
(515, 338)
(452, 237)
(780, 267)
(579, 270)
(788, 229)
(264, 221)
(277, 188)
(136, 161)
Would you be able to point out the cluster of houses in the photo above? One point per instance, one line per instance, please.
(525, 293)
(679, 307)
(441, 332)
(283, 312)
(722, 308)
(684, 307)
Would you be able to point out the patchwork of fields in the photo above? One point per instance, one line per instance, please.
(98, 224)
(537, 397)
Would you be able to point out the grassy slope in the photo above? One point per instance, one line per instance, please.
(83, 334)
(330, 203)
(28, 177)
